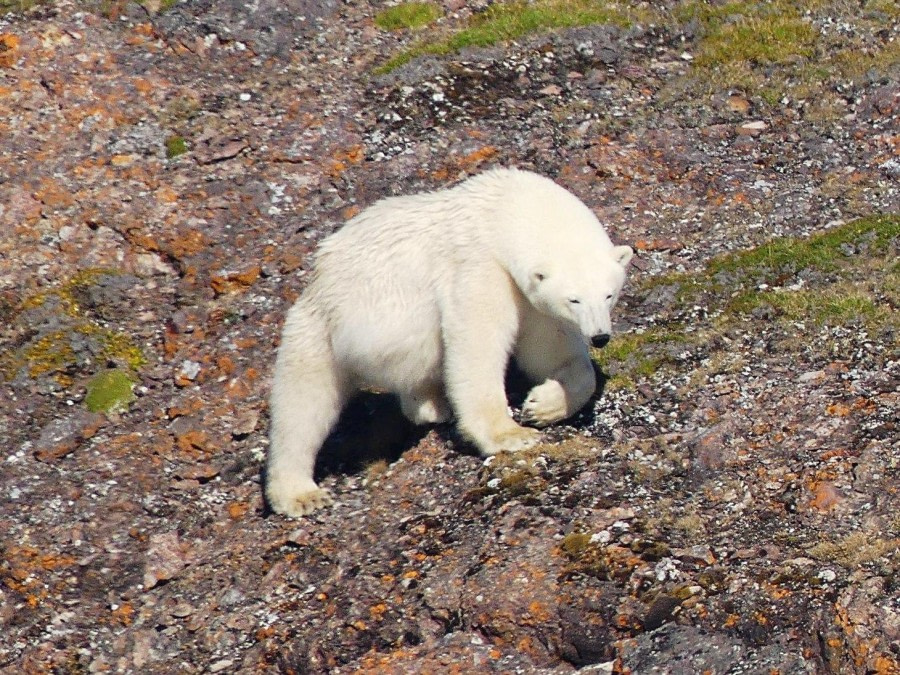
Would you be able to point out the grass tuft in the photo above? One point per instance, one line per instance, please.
(846, 275)
(512, 20)
(787, 47)
(758, 41)
(408, 15)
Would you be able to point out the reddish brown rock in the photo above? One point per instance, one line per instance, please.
(64, 435)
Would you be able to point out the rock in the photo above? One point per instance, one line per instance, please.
(752, 128)
(733, 481)
(738, 104)
(62, 436)
(187, 373)
(164, 559)
(686, 649)
(245, 423)
(587, 623)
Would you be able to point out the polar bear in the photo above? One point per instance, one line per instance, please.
(428, 296)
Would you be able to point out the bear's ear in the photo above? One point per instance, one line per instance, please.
(622, 255)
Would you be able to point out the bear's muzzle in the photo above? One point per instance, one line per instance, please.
(600, 341)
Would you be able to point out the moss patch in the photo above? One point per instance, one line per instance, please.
(512, 20)
(846, 275)
(175, 146)
(772, 49)
(18, 5)
(408, 15)
(855, 549)
(110, 391)
(826, 251)
(69, 337)
(786, 47)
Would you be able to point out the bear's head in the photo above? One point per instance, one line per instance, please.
(579, 290)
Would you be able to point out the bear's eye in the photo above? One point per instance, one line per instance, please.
(539, 276)
(575, 301)
(609, 297)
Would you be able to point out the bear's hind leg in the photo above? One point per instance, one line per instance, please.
(308, 393)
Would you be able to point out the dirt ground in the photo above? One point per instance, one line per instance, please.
(727, 504)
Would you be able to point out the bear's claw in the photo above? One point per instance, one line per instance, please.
(518, 438)
(545, 405)
(302, 504)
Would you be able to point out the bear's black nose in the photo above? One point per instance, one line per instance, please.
(600, 340)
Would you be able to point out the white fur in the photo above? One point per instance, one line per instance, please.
(428, 296)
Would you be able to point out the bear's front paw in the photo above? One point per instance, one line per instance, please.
(512, 440)
(545, 404)
(299, 504)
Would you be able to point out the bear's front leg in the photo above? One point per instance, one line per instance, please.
(562, 364)
(562, 395)
(480, 324)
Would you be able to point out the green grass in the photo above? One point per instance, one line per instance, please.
(768, 49)
(17, 5)
(634, 356)
(774, 49)
(824, 251)
(856, 275)
(854, 279)
(408, 15)
(758, 41)
(512, 20)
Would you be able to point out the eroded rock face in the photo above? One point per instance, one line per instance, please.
(729, 500)
(267, 28)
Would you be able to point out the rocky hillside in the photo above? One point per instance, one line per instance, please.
(729, 502)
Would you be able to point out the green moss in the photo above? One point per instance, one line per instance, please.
(408, 15)
(774, 49)
(56, 353)
(823, 251)
(512, 20)
(175, 146)
(846, 275)
(110, 391)
(574, 544)
(855, 549)
(820, 307)
(634, 356)
(758, 41)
